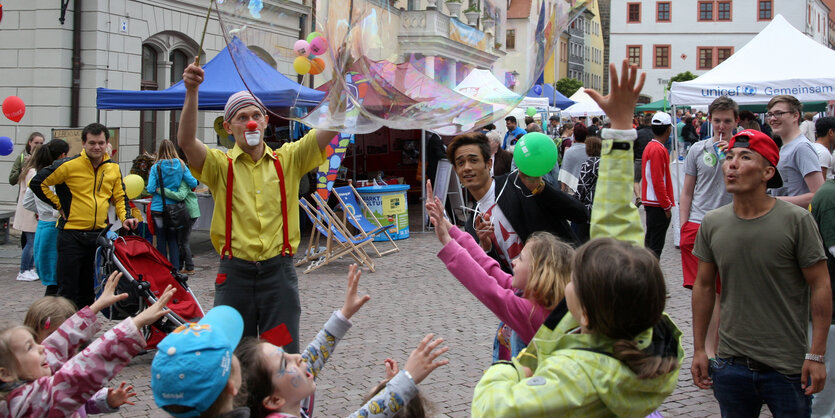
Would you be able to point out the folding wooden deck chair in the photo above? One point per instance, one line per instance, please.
(337, 242)
(353, 206)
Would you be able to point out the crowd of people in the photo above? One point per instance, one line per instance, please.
(563, 260)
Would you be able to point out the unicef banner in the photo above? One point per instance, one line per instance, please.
(694, 93)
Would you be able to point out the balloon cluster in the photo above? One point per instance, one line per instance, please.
(14, 109)
(307, 51)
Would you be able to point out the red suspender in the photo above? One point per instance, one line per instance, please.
(286, 248)
(230, 177)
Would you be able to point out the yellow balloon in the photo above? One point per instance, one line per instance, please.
(134, 185)
(301, 65)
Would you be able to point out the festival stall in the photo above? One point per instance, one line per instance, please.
(751, 77)
(221, 81)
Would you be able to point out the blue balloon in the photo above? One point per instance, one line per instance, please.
(537, 89)
(6, 145)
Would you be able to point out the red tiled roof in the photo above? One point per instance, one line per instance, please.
(520, 9)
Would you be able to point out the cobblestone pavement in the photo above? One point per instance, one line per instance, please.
(412, 294)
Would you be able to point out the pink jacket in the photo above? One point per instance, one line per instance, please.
(483, 277)
(75, 379)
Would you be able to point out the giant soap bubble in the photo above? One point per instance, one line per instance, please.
(404, 69)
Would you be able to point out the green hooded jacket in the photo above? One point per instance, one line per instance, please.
(575, 375)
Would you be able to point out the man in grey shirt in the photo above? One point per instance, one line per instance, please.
(572, 161)
(799, 165)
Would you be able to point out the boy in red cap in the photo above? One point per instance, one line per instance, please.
(770, 259)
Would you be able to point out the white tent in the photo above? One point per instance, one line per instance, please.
(482, 85)
(580, 96)
(753, 74)
(584, 109)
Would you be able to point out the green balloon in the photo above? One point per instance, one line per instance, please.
(530, 111)
(312, 36)
(535, 154)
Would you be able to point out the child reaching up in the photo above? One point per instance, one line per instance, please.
(416, 408)
(45, 316)
(279, 384)
(611, 351)
(541, 273)
(30, 387)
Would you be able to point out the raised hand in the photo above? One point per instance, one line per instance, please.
(157, 310)
(353, 301)
(120, 396)
(619, 104)
(108, 298)
(193, 76)
(484, 230)
(391, 368)
(422, 360)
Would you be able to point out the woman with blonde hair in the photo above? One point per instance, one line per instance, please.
(167, 173)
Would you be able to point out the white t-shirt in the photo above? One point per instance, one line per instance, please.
(823, 155)
(505, 238)
(797, 159)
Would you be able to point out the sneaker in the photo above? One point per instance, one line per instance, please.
(24, 276)
(187, 271)
(34, 274)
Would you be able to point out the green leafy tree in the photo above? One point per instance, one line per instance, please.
(568, 86)
(685, 76)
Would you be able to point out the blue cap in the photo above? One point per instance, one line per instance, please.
(193, 363)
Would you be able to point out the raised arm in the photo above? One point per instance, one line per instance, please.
(194, 149)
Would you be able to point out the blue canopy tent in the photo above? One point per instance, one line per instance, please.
(555, 98)
(221, 81)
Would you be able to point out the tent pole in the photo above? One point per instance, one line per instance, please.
(423, 179)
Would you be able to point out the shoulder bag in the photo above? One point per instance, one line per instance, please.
(174, 216)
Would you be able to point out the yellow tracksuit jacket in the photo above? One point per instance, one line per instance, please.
(84, 193)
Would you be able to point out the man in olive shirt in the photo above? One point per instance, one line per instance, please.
(769, 255)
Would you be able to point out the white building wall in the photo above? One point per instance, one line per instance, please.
(685, 34)
(37, 66)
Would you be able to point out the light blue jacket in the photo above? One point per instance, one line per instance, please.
(173, 172)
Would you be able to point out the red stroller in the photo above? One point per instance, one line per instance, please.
(145, 274)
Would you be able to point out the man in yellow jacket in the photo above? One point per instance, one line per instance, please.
(85, 187)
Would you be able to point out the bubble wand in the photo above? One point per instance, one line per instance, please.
(203, 37)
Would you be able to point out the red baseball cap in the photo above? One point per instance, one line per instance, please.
(761, 144)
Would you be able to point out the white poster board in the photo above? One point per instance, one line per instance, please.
(446, 184)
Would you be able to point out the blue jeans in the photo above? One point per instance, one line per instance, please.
(742, 391)
(167, 242)
(27, 259)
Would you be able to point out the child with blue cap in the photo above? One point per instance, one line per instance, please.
(195, 372)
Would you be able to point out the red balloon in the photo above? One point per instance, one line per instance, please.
(13, 108)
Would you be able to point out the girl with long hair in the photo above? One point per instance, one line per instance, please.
(167, 172)
(45, 247)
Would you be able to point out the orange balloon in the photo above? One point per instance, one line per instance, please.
(317, 65)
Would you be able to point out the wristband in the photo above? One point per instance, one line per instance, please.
(622, 134)
(817, 358)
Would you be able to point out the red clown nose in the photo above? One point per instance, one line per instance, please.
(251, 125)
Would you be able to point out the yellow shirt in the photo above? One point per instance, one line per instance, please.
(256, 196)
